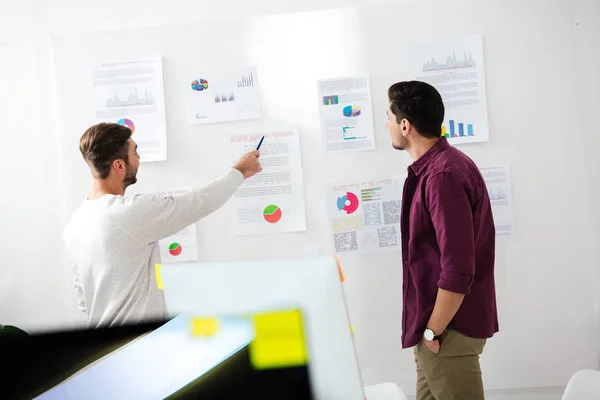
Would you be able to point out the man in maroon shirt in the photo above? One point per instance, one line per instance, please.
(448, 245)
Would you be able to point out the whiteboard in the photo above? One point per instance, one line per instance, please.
(543, 270)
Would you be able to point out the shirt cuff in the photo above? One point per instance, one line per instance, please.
(455, 283)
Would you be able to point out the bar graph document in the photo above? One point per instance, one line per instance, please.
(130, 93)
(346, 114)
(497, 181)
(221, 97)
(455, 67)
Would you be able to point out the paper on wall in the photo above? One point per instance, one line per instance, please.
(365, 216)
(455, 67)
(130, 93)
(182, 246)
(346, 114)
(273, 200)
(221, 97)
(497, 181)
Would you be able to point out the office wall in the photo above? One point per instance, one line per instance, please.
(585, 26)
(35, 289)
(34, 283)
(545, 270)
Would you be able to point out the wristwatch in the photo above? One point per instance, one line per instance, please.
(430, 335)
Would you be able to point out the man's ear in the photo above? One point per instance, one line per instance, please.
(119, 166)
(405, 127)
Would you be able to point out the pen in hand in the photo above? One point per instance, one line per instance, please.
(259, 143)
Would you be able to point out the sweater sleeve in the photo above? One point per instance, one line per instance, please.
(155, 217)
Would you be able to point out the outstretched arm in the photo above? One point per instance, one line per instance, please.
(157, 216)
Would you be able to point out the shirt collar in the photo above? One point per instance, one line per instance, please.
(421, 164)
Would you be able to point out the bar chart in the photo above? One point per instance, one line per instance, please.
(451, 130)
(330, 100)
(371, 194)
(246, 81)
(223, 98)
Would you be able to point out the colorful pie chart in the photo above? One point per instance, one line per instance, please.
(199, 84)
(348, 203)
(128, 123)
(351, 111)
(272, 214)
(175, 249)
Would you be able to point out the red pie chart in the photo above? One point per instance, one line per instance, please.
(272, 214)
(175, 249)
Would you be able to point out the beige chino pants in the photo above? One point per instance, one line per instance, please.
(454, 373)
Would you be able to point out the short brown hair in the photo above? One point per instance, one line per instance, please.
(102, 144)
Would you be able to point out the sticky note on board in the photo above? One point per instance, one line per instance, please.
(158, 278)
(342, 277)
(279, 340)
(204, 326)
(352, 329)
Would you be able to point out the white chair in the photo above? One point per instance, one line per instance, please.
(384, 391)
(583, 385)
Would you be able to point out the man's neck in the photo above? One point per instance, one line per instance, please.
(102, 187)
(421, 147)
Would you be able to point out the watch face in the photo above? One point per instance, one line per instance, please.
(429, 334)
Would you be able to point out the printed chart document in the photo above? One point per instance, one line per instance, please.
(130, 93)
(273, 200)
(497, 180)
(183, 246)
(365, 216)
(455, 67)
(219, 97)
(346, 114)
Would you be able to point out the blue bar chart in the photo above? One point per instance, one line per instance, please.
(452, 131)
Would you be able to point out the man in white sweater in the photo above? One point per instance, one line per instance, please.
(111, 240)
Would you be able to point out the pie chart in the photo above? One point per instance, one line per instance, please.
(175, 249)
(128, 123)
(351, 111)
(272, 214)
(199, 84)
(348, 203)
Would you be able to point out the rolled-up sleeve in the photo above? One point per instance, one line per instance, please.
(451, 213)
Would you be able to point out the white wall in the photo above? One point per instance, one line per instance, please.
(34, 281)
(585, 26)
(35, 289)
(34, 284)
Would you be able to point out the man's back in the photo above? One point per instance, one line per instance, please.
(448, 245)
(449, 240)
(112, 240)
(456, 162)
(113, 266)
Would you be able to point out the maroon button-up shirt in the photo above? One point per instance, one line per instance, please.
(448, 242)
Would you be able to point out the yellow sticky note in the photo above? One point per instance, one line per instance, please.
(279, 340)
(342, 277)
(352, 329)
(204, 326)
(157, 273)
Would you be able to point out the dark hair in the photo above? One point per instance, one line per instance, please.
(421, 104)
(102, 144)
